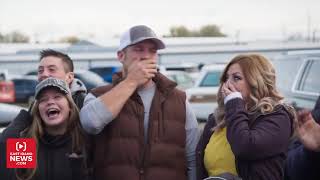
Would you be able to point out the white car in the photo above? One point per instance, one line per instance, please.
(183, 79)
(191, 68)
(8, 112)
(203, 96)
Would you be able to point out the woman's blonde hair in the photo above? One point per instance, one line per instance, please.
(261, 78)
(37, 130)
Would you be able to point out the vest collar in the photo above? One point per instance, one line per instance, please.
(163, 84)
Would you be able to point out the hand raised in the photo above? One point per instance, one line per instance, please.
(308, 130)
(227, 88)
(140, 71)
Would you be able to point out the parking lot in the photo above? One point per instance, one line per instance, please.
(298, 84)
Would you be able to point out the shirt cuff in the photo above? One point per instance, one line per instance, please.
(232, 95)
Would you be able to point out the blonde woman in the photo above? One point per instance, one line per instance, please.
(248, 134)
(61, 151)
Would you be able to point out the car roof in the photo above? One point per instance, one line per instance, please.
(19, 76)
(304, 52)
(28, 77)
(81, 71)
(213, 67)
(173, 72)
(181, 65)
(107, 66)
(300, 55)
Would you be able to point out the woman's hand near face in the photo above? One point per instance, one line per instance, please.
(229, 91)
(228, 88)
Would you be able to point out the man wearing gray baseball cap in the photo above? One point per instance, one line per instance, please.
(138, 34)
(145, 128)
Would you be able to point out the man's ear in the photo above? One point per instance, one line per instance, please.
(121, 55)
(69, 77)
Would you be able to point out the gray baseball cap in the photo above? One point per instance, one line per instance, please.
(51, 82)
(137, 34)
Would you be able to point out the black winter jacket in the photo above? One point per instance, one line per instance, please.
(316, 111)
(53, 162)
(79, 92)
(301, 162)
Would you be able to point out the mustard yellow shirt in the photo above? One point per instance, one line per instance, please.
(218, 157)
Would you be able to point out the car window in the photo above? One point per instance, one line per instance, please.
(104, 70)
(31, 85)
(311, 81)
(2, 77)
(286, 71)
(34, 73)
(18, 82)
(19, 85)
(211, 79)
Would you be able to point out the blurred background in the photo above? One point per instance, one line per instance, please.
(201, 36)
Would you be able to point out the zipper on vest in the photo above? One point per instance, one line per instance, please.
(140, 113)
(143, 155)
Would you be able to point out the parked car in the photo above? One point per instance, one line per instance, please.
(25, 88)
(183, 79)
(203, 96)
(89, 79)
(106, 72)
(8, 112)
(298, 79)
(3, 74)
(7, 91)
(192, 69)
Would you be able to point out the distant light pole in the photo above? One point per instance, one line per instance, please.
(314, 36)
(308, 27)
(237, 36)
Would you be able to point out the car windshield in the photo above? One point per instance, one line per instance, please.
(211, 79)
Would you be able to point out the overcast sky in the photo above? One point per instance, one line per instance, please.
(254, 19)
